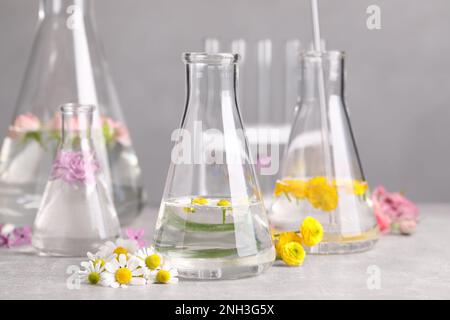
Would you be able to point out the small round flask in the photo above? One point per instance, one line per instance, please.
(77, 213)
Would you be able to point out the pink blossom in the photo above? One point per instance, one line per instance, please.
(27, 122)
(136, 235)
(21, 236)
(4, 241)
(75, 166)
(118, 131)
(392, 208)
(264, 162)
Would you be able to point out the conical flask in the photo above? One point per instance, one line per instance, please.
(212, 222)
(321, 172)
(77, 213)
(66, 64)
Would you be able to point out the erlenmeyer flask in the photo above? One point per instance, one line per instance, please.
(77, 213)
(66, 64)
(212, 222)
(322, 175)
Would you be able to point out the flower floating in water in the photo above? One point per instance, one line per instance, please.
(136, 235)
(123, 271)
(394, 212)
(311, 231)
(200, 201)
(92, 272)
(289, 245)
(75, 167)
(165, 274)
(226, 204)
(321, 193)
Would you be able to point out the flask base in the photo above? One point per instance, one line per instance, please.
(66, 247)
(222, 268)
(333, 244)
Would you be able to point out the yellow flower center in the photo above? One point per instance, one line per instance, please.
(123, 276)
(163, 276)
(120, 250)
(102, 262)
(94, 277)
(199, 201)
(152, 261)
(224, 203)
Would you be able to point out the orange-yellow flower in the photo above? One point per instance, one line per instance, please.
(311, 231)
(292, 253)
(322, 194)
(284, 238)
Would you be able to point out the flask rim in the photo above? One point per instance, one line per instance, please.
(210, 58)
(73, 107)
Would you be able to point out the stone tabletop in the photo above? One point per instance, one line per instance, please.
(403, 267)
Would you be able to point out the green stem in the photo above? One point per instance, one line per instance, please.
(224, 212)
(181, 223)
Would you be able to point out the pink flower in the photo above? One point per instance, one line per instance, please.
(27, 122)
(118, 131)
(75, 166)
(24, 123)
(263, 162)
(4, 241)
(393, 208)
(21, 236)
(136, 235)
(407, 226)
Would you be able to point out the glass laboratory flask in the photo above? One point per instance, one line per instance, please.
(321, 173)
(212, 222)
(77, 213)
(66, 64)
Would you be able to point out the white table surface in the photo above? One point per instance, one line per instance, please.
(410, 267)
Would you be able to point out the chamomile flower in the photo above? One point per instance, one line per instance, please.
(92, 272)
(165, 274)
(123, 271)
(150, 257)
(95, 258)
(121, 246)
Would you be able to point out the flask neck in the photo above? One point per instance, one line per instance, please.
(209, 84)
(69, 9)
(327, 67)
(76, 129)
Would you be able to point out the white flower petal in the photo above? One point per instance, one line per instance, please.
(133, 263)
(122, 260)
(111, 267)
(138, 272)
(136, 281)
(115, 285)
(173, 280)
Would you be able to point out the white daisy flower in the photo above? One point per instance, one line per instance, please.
(92, 272)
(121, 246)
(95, 258)
(150, 257)
(124, 271)
(165, 274)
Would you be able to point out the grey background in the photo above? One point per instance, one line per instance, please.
(398, 88)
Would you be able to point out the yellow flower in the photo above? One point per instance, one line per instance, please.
(223, 203)
(321, 194)
(311, 231)
(292, 253)
(199, 201)
(280, 188)
(284, 238)
(189, 209)
(297, 188)
(359, 187)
